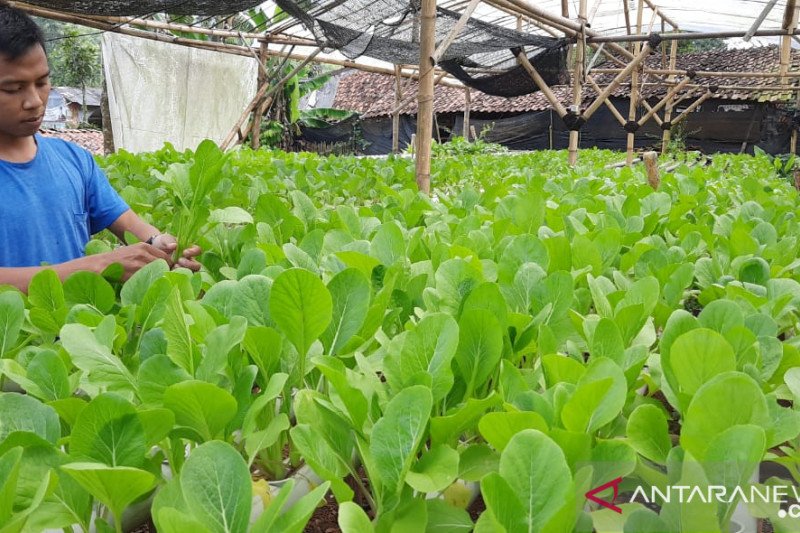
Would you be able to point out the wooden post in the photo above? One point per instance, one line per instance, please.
(255, 138)
(651, 164)
(398, 95)
(665, 137)
(634, 87)
(577, 83)
(565, 8)
(467, 109)
(425, 97)
(627, 11)
(789, 24)
(793, 142)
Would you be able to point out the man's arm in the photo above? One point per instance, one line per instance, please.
(132, 258)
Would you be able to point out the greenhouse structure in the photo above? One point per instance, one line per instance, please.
(401, 265)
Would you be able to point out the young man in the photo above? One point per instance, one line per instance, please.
(53, 196)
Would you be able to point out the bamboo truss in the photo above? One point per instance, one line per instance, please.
(628, 50)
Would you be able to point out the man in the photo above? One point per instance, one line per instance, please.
(53, 196)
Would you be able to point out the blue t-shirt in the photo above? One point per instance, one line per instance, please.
(50, 206)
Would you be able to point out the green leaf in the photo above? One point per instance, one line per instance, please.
(536, 470)
(388, 245)
(156, 423)
(480, 346)
(95, 359)
(108, 431)
(353, 519)
(217, 487)
(607, 341)
(24, 413)
(644, 521)
(696, 357)
(598, 397)
(444, 518)
(396, 438)
(134, 290)
(48, 372)
(180, 347)
(427, 350)
(230, 215)
(155, 375)
(435, 470)
(350, 293)
(88, 288)
(721, 315)
(12, 316)
(648, 433)
(294, 519)
(323, 459)
(729, 399)
(302, 308)
(218, 345)
(45, 291)
(201, 407)
(447, 429)
(476, 461)
(259, 440)
(115, 487)
(9, 472)
(499, 428)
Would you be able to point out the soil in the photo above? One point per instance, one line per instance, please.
(476, 508)
(149, 527)
(672, 422)
(326, 518)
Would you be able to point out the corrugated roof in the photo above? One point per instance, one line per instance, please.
(372, 95)
(75, 94)
(91, 140)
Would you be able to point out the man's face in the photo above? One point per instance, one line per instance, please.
(24, 90)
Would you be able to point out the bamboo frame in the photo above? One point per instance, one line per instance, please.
(699, 36)
(537, 78)
(467, 111)
(692, 107)
(398, 95)
(263, 76)
(671, 94)
(577, 83)
(425, 96)
(701, 73)
(650, 109)
(667, 135)
(609, 104)
(789, 24)
(617, 81)
(455, 31)
(631, 137)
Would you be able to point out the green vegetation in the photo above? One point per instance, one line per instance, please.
(536, 329)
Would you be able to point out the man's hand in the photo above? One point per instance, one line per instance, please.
(168, 244)
(134, 257)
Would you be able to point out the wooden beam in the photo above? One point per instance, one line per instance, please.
(666, 136)
(630, 145)
(627, 11)
(609, 104)
(759, 20)
(398, 95)
(650, 108)
(617, 81)
(467, 110)
(692, 107)
(789, 24)
(425, 97)
(565, 8)
(661, 14)
(671, 94)
(265, 92)
(577, 83)
(455, 31)
(540, 83)
(263, 76)
(701, 73)
(695, 36)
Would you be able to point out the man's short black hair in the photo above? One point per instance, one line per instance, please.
(18, 33)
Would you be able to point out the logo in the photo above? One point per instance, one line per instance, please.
(592, 495)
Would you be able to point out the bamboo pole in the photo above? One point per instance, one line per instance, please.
(789, 24)
(408, 97)
(255, 142)
(650, 109)
(697, 36)
(759, 20)
(661, 14)
(467, 110)
(667, 134)
(265, 92)
(425, 98)
(398, 95)
(540, 83)
(455, 31)
(672, 92)
(631, 142)
(617, 81)
(577, 83)
(627, 11)
(609, 104)
(565, 8)
(701, 73)
(692, 107)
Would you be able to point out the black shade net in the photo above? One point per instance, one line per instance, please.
(482, 56)
(147, 7)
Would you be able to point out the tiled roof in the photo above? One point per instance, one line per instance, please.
(372, 95)
(91, 140)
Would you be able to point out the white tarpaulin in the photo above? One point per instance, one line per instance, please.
(161, 92)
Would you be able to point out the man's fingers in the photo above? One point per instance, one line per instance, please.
(192, 251)
(189, 263)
